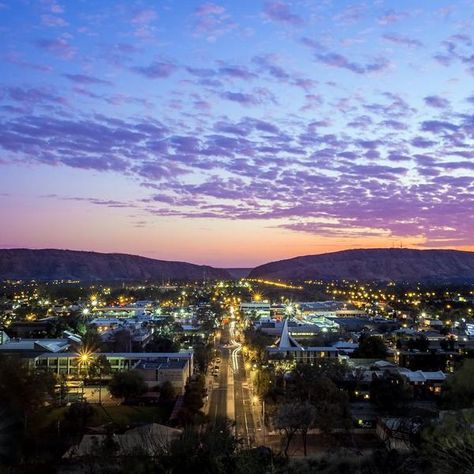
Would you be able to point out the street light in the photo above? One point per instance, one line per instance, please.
(84, 356)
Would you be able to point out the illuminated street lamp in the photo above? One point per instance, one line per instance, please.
(84, 357)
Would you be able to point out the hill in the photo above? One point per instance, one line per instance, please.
(375, 264)
(48, 264)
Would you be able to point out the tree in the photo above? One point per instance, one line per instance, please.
(459, 388)
(167, 392)
(294, 417)
(99, 367)
(127, 384)
(390, 392)
(370, 347)
(332, 405)
(91, 339)
(208, 451)
(63, 388)
(77, 416)
(421, 343)
(307, 414)
(305, 378)
(22, 389)
(449, 445)
(123, 341)
(202, 356)
(162, 344)
(263, 382)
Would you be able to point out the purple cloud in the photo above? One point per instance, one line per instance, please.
(437, 126)
(59, 47)
(339, 61)
(392, 17)
(402, 40)
(436, 101)
(212, 21)
(280, 12)
(85, 79)
(236, 72)
(156, 70)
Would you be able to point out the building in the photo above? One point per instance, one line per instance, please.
(287, 348)
(68, 363)
(256, 307)
(30, 348)
(398, 433)
(152, 439)
(159, 371)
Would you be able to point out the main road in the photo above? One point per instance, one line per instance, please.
(230, 396)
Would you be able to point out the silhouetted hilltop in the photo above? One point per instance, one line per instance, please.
(48, 264)
(375, 264)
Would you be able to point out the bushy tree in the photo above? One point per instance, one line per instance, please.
(370, 347)
(167, 392)
(449, 444)
(100, 367)
(77, 416)
(458, 391)
(294, 417)
(421, 343)
(22, 388)
(127, 384)
(390, 392)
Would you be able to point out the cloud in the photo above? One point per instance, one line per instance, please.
(457, 48)
(236, 72)
(391, 17)
(60, 47)
(402, 40)
(280, 12)
(144, 16)
(212, 21)
(85, 79)
(156, 70)
(436, 101)
(337, 60)
(258, 96)
(268, 63)
(437, 126)
(53, 21)
(31, 97)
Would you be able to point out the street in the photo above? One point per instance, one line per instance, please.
(230, 396)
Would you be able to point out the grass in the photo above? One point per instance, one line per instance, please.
(119, 414)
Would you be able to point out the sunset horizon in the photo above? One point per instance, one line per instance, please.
(234, 133)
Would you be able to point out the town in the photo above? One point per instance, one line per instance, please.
(264, 373)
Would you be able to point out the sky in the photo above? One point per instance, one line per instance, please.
(233, 133)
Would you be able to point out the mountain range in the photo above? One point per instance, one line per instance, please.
(407, 265)
(49, 264)
(362, 264)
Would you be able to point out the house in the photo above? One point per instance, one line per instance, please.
(398, 433)
(151, 439)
